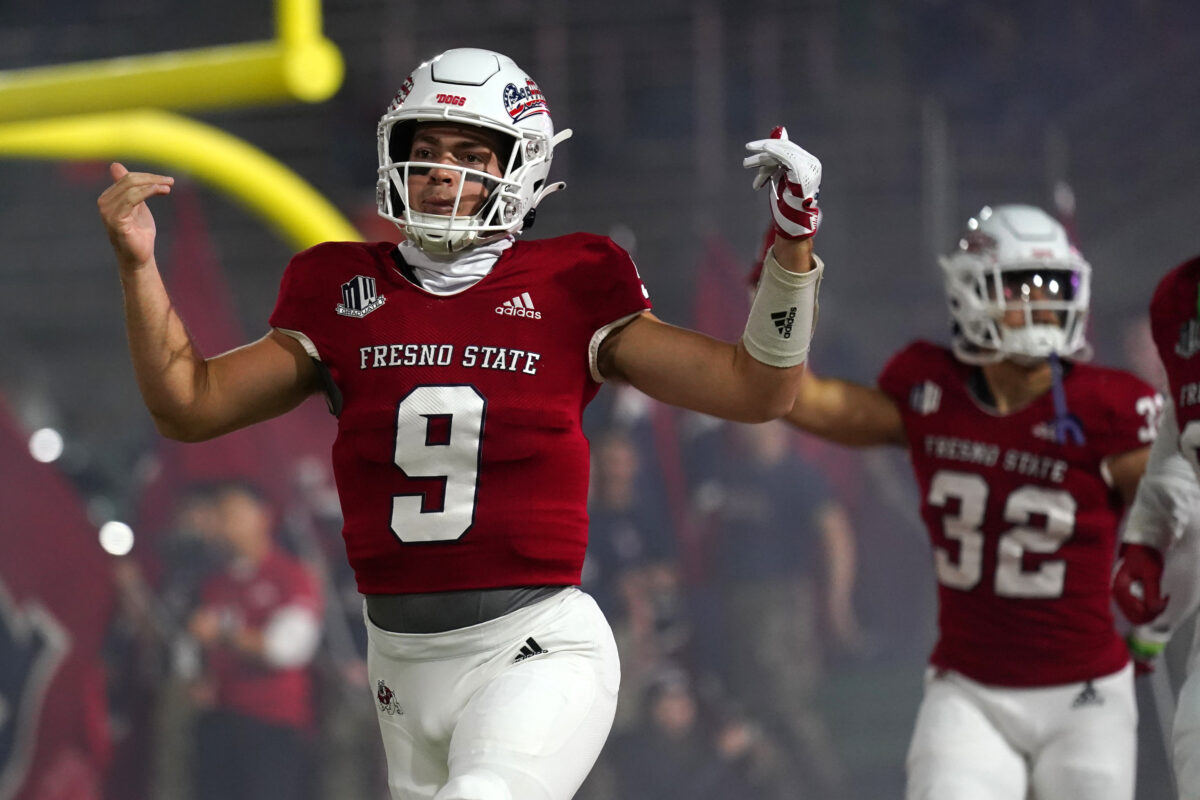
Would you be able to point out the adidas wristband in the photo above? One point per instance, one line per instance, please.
(783, 314)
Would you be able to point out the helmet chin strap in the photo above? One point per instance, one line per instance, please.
(1066, 425)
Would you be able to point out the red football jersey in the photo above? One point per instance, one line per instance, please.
(1023, 529)
(1175, 324)
(250, 599)
(460, 458)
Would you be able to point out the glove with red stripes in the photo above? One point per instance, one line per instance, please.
(795, 178)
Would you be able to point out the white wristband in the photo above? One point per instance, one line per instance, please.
(783, 314)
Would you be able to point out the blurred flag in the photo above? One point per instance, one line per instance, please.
(719, 308)
(56, 597)
(722, 298)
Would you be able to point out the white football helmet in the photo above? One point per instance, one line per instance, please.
(484, 89)
(1017, 258)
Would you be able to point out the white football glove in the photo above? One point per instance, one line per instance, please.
(795, 178)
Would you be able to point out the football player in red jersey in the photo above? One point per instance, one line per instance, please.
(1024, 458)
(1157, 583)
(459, 364)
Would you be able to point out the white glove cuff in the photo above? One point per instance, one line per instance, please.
(783, 314)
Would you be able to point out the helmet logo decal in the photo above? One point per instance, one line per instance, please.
(521, 102)
(451, 99)
(401, 94)
(978, 242)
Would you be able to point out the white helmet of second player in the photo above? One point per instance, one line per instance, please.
(1017, 258)
(484, 89)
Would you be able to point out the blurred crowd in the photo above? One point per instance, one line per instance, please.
(724, 557)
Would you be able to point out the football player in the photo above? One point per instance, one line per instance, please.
(1157, 583)
(1024, 457)
(459, 364)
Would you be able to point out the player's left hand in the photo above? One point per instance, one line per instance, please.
(795, 178)
(1137, 584)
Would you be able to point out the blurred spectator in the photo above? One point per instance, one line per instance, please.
(782, 559)
(629, 529)
(259, 625)
(752, 755)
(669, 755)
(631, 568)
(152, 658)
(350, 758)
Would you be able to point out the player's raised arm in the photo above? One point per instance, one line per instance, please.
(834, 409)
(189, 397)
(755, 379)
(846, 412)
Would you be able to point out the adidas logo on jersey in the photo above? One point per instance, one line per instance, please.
(783, 321)
(530, 649)
(519, 306)
(1045, 431)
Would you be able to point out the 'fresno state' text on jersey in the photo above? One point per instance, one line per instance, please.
(1023, 528)
(460, 459)
(1175, 324)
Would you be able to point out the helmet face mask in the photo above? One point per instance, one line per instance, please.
(485, 91)
(1017, 289)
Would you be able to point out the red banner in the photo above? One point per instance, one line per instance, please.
(56, 598)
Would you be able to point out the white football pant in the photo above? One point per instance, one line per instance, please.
(516, 708)
(1186, 734)
(1181, 583)
(1071, 742)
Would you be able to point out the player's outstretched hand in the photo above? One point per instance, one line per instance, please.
(795, 178)
(128, 221)
(1137, 584)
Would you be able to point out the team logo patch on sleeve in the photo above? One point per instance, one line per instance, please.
(1189, 339)
(359, 297)
(925, 398)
